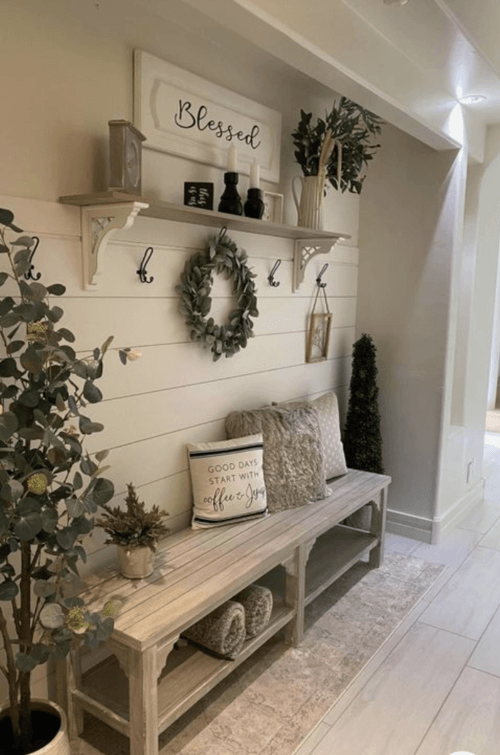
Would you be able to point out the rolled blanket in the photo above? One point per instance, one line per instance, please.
(258, 604)
(222, 631)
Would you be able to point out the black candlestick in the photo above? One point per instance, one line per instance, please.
(254, 206)
(230, 200)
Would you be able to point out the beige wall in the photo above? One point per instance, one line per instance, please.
(409, 243)
(483, 220)
(66, 69)
(476, 296)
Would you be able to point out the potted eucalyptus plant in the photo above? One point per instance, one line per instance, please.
(334, 150)
(136, 533)
(50, 489)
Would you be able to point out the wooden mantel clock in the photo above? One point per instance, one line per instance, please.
(125, 145)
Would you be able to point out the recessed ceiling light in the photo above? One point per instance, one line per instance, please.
(472, 99)
(395, 2)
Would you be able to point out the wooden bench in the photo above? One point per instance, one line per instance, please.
(195, 572)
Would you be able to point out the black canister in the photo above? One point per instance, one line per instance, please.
(254, 206)
(230, 200)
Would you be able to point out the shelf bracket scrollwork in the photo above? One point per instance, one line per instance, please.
(99, 224)
(305, 250)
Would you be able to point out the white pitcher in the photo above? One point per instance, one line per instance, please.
(309, 206)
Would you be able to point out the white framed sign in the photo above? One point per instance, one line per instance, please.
(273, 207)
(185, 115)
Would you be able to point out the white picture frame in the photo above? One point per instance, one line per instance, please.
(273, 207)
(186, 115)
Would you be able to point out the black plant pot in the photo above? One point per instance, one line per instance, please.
(49, 730)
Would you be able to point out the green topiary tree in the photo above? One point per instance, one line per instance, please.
(362, 437)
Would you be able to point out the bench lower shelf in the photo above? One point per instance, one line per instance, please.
(332, 555)
(188, 675)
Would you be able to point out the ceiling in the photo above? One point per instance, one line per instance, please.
(428, 33)
(409, 63)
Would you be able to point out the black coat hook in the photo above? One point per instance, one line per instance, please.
(221, 234)
(29, 272)
(142, 272)
(270, 277)
(318, 279)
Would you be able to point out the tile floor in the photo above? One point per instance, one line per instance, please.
(434, 687)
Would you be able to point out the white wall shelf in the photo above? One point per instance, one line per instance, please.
(97, 227)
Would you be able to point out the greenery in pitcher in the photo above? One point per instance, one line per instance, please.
(50, 488)
(340, 145)
(136, 527)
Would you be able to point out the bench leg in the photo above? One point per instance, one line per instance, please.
(295, 591)
(378, 528)
(143, 695)
(68, 678)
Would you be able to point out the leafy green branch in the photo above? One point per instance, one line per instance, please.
(50, 489)
(348, 125)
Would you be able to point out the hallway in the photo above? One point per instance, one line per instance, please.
(434, 687)
(493, 415)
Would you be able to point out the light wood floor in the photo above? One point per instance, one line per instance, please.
(434, 688)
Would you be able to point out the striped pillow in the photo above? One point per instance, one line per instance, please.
(228, 481)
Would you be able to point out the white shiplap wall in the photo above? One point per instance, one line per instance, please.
(175, 393)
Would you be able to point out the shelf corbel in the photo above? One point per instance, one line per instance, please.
(305, 250)
(99, 223)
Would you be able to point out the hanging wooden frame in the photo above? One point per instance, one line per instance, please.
(318, 337)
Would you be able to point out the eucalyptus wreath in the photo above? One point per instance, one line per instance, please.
(221, 258)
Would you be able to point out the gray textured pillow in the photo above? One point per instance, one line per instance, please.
(293, 458)
(328, 416)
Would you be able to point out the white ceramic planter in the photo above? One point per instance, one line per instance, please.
(310, 203)
(135, 563)
(59, 745)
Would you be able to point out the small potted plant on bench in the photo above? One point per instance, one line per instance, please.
(49, 491)
(136, 532)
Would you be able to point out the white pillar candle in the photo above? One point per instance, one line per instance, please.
(232, 159)
(255, 175)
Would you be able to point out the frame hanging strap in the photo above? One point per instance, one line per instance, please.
(325, 299)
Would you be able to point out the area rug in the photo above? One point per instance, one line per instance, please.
(270, 703)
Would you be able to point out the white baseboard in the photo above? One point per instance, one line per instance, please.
(434, 530)
(409, 525)
(443, 524)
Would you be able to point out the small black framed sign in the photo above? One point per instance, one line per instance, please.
(198, 194)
